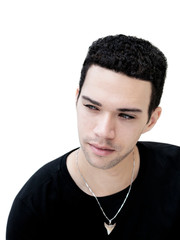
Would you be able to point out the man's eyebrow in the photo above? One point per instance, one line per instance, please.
(92, 101)
(137, 110)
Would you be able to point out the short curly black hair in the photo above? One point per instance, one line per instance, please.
(131, 56)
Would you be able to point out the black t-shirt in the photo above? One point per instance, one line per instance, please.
(51, 206)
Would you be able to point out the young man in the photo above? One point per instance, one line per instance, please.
(113, 186)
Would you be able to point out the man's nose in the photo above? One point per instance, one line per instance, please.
(105, 127)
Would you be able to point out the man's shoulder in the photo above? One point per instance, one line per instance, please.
(46, 177)
(161, 148)
(159, 154)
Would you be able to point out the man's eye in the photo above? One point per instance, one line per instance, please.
(91, 107)
(126, 116)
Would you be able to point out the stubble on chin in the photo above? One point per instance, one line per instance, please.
(105, 162)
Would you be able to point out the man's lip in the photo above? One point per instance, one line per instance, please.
(101, 151)
(101, 147)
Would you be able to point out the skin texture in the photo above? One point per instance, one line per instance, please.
(112, 113)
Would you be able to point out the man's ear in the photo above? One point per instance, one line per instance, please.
(153, 119)
(77, 92)
(77, 95)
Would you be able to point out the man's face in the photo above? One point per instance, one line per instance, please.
(112, 113)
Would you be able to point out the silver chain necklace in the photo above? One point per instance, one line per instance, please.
(109, 227)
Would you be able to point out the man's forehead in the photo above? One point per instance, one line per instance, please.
(101, 79)
(96, 73)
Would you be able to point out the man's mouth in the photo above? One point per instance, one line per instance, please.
(101, 150)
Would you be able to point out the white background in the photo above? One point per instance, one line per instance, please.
(42, 47)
